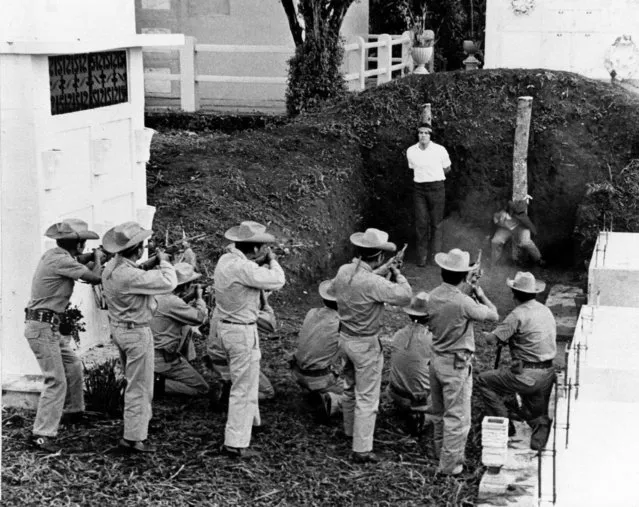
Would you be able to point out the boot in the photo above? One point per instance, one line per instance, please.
(540, 432)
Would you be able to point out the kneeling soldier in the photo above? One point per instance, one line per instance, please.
(51, 290)
(172, 334)
(531, 331)
(316, 365)
(411, 353)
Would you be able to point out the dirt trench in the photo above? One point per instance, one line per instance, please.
(318, 178)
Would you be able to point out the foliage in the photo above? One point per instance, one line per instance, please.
(314, 72)
(453, 21)
(608, 205)
(104, 387)
(71, 323)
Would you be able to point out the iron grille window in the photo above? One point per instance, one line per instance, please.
(87, 81)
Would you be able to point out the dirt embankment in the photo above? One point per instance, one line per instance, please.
(318, 178)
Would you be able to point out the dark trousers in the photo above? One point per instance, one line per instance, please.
(533, 385)
(429, 213)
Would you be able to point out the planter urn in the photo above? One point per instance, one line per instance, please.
(421, 56)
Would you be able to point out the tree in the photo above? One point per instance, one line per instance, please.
(314, 72)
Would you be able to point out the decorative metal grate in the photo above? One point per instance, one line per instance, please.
(87, 81)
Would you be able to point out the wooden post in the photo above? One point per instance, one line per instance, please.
(363, 60)
(188, 92)
(384, 58)
(520, 152)
(427, 116)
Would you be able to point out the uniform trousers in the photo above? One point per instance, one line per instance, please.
(362, 381)
(136, 353)
(451, 385)
(242, 347)
(63, 380)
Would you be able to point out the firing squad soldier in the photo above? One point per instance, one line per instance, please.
(452, 314)
(172, 328)
(362, 290)
(247, 268)
(411, 353)
(130, 295)
(531, 331)
(316, 365)
(51, 290)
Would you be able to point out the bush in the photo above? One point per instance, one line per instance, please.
(104, 387)
(314, 73)
(608, 205)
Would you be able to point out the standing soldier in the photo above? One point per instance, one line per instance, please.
(451, 381)
(51, 290)
(172, 328)
(246, 269)
(129, 292)
(430, 164)
(361, 293)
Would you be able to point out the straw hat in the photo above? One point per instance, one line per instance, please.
(374, 239)
(525, 282)
(327, 291)
(185, 273)
(123, 236)
(418, 305)
(249, 231)
(71, 228)
(455, 260)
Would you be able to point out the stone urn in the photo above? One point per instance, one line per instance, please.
(421, 57)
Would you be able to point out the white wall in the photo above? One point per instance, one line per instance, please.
(28, 130)
(571, 35)
(240, 22)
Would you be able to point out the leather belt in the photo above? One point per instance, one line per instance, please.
(417, 398)
(238, 323)
(128, 325)
(542, 365)
(46, 316)
(322, 372)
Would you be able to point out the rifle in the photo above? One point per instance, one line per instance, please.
(474, 276)
(171, 249)
(396, 261)
(498, 355)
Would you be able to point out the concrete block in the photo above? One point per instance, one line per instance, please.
(562, 303)
(22, 391)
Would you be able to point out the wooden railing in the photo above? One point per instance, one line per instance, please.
(358, 61)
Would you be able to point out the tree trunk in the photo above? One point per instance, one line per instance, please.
(293, 22)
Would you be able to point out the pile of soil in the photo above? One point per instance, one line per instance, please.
(319, 178)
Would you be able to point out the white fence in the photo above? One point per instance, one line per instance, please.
(357, 62)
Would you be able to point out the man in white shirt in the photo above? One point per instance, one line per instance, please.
(430, 163)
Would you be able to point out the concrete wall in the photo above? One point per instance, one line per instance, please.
(613, 273)
(571, 35)
(103, 187)
(238, 22)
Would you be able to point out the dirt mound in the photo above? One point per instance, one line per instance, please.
(318, 178)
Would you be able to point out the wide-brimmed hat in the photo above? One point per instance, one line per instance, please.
(524, 281)
(185, 273)
(123, 236)
(249, 231)
(374, 239)
(327, 291)
(71, 228)
(418, 305)
(455, 260)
